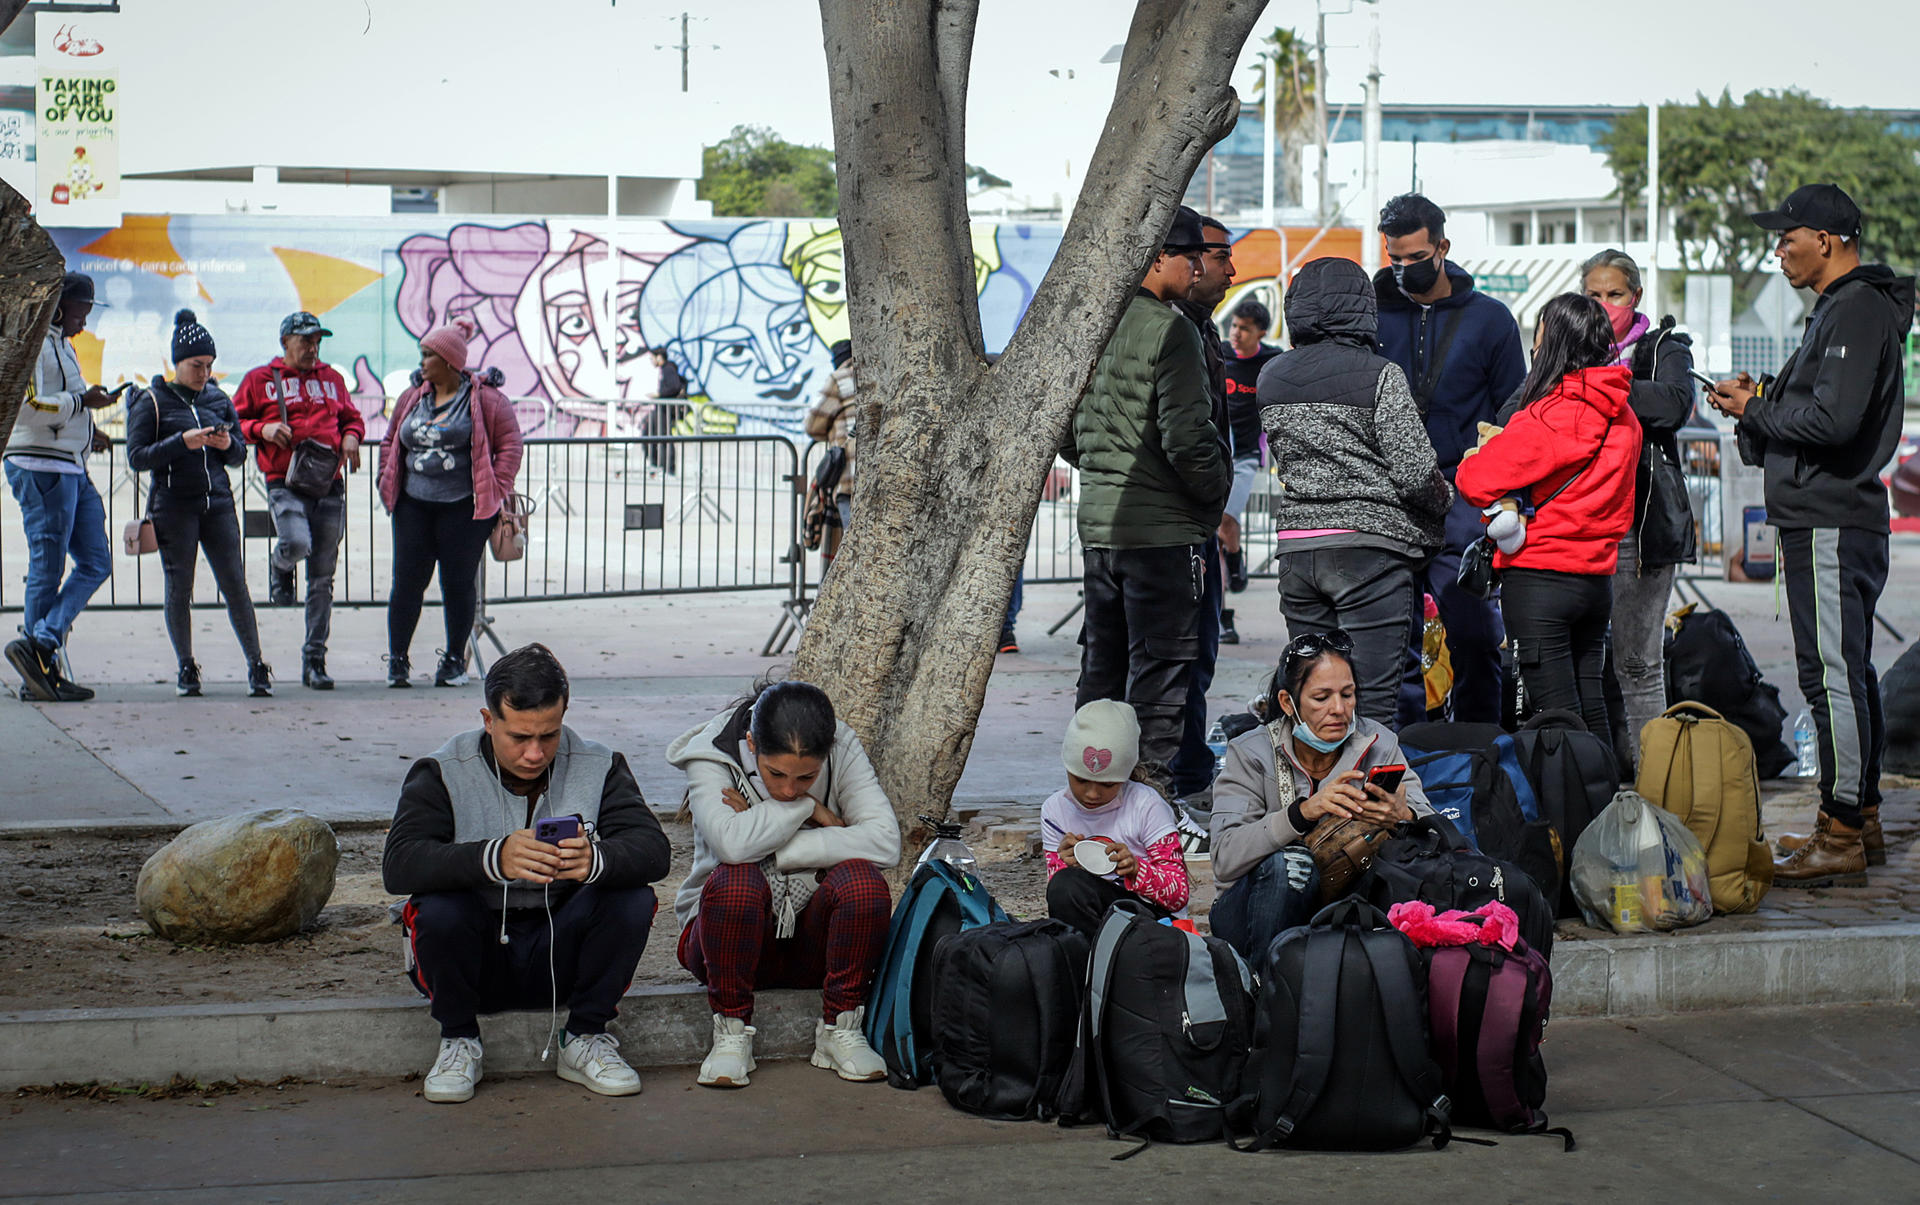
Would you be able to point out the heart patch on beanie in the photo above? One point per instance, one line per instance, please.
(1097, 760)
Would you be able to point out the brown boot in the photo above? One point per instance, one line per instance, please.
(1834, 857)
(1871, 837)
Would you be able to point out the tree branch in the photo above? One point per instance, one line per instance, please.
(30, 270)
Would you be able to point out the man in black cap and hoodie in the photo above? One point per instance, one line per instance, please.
(1153, 482)
(1822, 430)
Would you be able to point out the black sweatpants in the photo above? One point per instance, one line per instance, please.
(1080, 898)
(426, 536)
(1557, 623)
(1833, 577)
(456, 960)
(1139, 636)
(182, 536)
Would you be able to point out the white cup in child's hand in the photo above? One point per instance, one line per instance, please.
(1092, 857)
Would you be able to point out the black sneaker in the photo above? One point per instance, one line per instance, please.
(452, 671)
(313, 673)
(259, 680)
(280, 587)
(1007, 643)
(398, 669)
(187, 685)
(1228, 633)
(35, 668)
(65, 691)
(1236, 572)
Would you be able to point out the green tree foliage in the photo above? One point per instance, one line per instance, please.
(1293, 80)
(1722, 160)
(754, 173)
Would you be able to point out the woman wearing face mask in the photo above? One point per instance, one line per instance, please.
(1662, 536)
(790, 833)
(185, 433)
(1261, 816)
(1570, 451)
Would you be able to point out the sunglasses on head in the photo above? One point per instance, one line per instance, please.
(1311, 645)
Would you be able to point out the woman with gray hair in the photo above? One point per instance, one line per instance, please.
(1662, 536)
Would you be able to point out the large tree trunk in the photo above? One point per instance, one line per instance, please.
(953, 451)
(30, 270)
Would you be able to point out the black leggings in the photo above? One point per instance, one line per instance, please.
(1557, 623)
(181, 536)
(428, 535)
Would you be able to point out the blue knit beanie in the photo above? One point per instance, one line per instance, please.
(190, 339)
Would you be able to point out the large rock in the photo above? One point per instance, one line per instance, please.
(258, 876)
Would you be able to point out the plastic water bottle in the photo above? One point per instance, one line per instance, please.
(949, 848)
(1217, 741)
(1806, 746)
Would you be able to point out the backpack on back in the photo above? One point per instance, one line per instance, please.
(1698, 766)
(1163, 1037)
(1472, 776)
(1574, 776)
(1708, 662)
(1340, 1059)
(939, 900)
(1006, 1015)
(1427, 861)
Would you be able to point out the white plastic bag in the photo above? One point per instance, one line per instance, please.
(1637, 868)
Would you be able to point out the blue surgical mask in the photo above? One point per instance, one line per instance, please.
(1311, 740)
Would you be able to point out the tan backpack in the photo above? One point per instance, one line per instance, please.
(1700, 767)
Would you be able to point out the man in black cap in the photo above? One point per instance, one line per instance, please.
(1153, 481)
(60, 510)
(1822, 430)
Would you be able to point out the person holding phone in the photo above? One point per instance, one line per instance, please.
(60, 510)
(1315, 757)
(185, 433)
(508, 909)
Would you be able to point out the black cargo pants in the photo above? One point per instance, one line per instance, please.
(1139, 636)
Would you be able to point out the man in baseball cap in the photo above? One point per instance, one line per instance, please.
(1822, 429)
(300, 322)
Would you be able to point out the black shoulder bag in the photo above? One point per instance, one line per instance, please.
(313, 465)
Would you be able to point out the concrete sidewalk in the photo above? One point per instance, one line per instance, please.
(1755, 1105)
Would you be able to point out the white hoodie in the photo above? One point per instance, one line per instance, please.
(722, 836)
(53, 425)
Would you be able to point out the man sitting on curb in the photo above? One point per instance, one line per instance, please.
(499, 919)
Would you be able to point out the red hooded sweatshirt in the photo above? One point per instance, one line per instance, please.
(1543, 446)
(318, 407)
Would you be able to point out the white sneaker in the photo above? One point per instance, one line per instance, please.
(730, 1061)
(592, 1061)
(454, 1073)
(842, 1048)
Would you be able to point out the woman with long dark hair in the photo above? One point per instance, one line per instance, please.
(1567, 459)
(791, 830)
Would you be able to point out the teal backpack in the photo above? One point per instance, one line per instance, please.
(940, 899)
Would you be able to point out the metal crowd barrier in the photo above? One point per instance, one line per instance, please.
(613, 518)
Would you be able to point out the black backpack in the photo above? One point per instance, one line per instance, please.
(1427, 860)
(1340, 1059)
(1164, 1033)
(1574, 776)
(1006, 1014)
(1708, 662)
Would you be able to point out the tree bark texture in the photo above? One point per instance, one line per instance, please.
(952, 451)
(30, 271)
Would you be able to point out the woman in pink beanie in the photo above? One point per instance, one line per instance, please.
(447, 466)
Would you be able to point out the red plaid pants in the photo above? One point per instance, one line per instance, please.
(837, 940)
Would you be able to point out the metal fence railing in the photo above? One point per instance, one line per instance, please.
(613, 517)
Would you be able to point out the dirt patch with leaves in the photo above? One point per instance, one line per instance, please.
(71, 937)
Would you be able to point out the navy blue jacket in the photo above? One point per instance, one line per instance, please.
(1461, 356)
(183, 479)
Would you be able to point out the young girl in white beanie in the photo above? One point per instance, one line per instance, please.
(1109, 801)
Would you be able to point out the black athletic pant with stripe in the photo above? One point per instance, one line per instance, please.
(1833, 577)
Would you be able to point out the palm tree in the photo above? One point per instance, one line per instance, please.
(1292, 59)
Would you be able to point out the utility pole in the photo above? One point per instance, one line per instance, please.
(1266, 150)
(1651, 272)
(1370, 132)
(1320, 101)
(684, 45)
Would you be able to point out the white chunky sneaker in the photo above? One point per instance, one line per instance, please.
(592, 1061)
(730, 1061)
(842, 1048)
(454, 1073)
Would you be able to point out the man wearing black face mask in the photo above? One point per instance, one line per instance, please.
(1461, 353)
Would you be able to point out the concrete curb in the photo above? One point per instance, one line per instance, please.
(670, 1025)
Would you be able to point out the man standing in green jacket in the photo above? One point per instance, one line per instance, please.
(1153, 482)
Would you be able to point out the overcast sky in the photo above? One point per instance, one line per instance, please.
(1025, 124)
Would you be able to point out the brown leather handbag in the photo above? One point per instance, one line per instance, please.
(1342, 849)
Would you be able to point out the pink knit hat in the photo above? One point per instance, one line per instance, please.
(449, 342)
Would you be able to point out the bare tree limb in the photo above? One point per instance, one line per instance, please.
(9, 9)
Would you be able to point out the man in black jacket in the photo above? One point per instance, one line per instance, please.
(1822, 430)
(500, 918)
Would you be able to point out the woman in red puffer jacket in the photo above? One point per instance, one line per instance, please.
(1575, 434)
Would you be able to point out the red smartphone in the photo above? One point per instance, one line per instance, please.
(1387, 778)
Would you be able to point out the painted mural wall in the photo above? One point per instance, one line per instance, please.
(746, 309)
